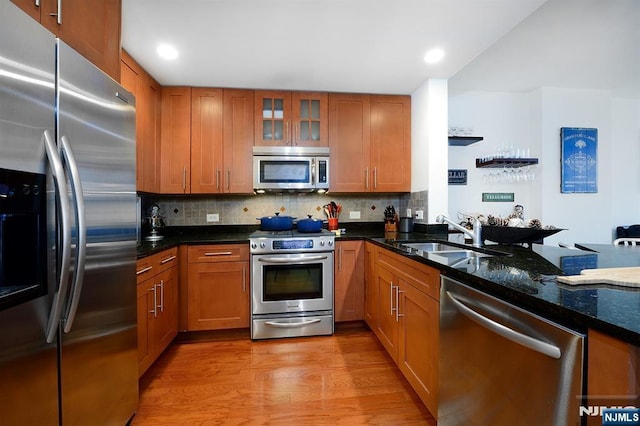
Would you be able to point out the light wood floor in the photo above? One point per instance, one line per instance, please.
(345, 379)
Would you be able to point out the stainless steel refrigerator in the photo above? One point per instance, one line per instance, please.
(68, 334)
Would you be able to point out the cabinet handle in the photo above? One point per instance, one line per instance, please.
(244, 279)
(375, 178)
(58, 13)
(155, 302)
(340, 259)
(229, 179)
(296, 133)
(391, 298)
(219, 253)
(366, 178)
(217, 179)
(398, 314)
(168, 259)
(184, 178)
(143, 270)
(287, 139)
(161, 285)
(37, 3)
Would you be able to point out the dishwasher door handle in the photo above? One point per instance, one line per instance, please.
(506, 332)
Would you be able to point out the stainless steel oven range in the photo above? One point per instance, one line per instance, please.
(292, 284)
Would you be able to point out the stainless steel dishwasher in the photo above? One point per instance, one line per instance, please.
(501, 365)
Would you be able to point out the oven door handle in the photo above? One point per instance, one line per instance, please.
(301, 259)
(300, 324)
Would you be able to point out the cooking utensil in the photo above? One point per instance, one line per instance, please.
(309, 225)
(332, 210)
(276, 223)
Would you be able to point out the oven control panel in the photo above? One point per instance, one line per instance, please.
(291, 245)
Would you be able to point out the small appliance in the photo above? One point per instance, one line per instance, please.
(290, 169)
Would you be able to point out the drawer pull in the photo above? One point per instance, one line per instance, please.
(143, 270)
(219, 253)
(168, 259)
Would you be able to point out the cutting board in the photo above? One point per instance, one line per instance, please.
(628, 277)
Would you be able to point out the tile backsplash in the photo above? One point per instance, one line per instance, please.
(190, 210)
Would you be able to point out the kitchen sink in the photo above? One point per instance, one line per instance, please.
(449, 254)
(429, 246)
(456, 256)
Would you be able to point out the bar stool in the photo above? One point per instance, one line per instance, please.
(626, 241)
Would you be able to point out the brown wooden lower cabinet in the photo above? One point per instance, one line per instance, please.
(613, 377)
(157, 305)
(405, 296)
(349, 281)
(218, 287)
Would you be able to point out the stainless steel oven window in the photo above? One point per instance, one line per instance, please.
(292, 282)
(281, 276)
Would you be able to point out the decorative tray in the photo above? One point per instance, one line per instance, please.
(513, 235)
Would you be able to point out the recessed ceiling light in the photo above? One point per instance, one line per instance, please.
(434, 55)
(166, 51)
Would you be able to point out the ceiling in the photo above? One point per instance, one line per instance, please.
(377, 46)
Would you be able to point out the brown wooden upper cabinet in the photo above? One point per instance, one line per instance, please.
(221, 141)
(390, 143)
(291, 118)
(207, 139)
(175, 137)
(237, 138)
(370, 142)
(92, 27)
(148, 100)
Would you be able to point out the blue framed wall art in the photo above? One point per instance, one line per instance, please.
(579, 162)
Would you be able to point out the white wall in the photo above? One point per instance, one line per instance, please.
(586, 217)
(626, 162)
(503, 119)
(429, 110)
(533, 120)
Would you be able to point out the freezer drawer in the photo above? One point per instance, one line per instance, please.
(501, 365)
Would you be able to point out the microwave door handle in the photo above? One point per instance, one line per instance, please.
(313, 172)
(64, 233)
(506, 332)
(81, 229)
(304, 259)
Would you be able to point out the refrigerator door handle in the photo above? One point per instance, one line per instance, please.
(81, 230)
(64, 233)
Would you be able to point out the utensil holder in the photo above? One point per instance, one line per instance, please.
(332, 223)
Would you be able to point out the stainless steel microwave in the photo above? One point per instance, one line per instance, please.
(278, 169)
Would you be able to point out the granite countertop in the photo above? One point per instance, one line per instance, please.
(524, 277)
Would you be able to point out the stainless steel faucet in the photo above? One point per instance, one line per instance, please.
(475, 234)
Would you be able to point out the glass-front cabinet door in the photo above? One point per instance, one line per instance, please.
(291, 118)
(273, 118)
(310, 123)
